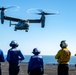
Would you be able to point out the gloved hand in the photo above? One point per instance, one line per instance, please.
(28, 71)
(43, 71)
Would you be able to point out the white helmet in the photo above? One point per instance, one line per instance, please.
(14, 43)
(36, 51)
(63, 44)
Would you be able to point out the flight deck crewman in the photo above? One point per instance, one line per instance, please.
(63, 57)
(14, 56)
(36, 64)
(2, 59)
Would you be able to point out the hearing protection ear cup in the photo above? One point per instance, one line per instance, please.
(63, 45)
(13, 43)
(60, 45)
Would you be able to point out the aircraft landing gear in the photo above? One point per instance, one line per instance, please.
(15, 29)
(26, 30)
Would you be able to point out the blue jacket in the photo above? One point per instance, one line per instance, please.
(36, 61)
(1, 56)
(14, 56)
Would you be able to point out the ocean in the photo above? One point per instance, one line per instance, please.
(50, 59)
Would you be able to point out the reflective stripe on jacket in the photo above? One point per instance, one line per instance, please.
(14, 55)
(36, 61)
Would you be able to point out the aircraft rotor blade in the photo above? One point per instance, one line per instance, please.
(10, 7)
(44, 13)
(50, 13)
(3, 8)
(40, 10)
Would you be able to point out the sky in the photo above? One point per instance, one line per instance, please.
(47, 40)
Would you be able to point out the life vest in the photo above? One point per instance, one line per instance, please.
(65, 57)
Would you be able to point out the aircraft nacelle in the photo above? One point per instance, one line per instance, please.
(2, 16)
(43, 21)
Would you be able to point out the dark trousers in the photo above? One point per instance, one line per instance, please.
(0, 70)
(36, 71)
(63, 69)
(13, 69)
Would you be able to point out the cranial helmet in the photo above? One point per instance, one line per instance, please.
(13, 44)
(35, 51)
(63, 44)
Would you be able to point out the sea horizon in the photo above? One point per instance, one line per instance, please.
(49, 59)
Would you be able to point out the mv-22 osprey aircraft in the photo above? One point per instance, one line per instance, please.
(24, 24)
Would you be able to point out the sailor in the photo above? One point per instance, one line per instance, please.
(36, 65)
(63, 56)
(1, 59)
(14, 56)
